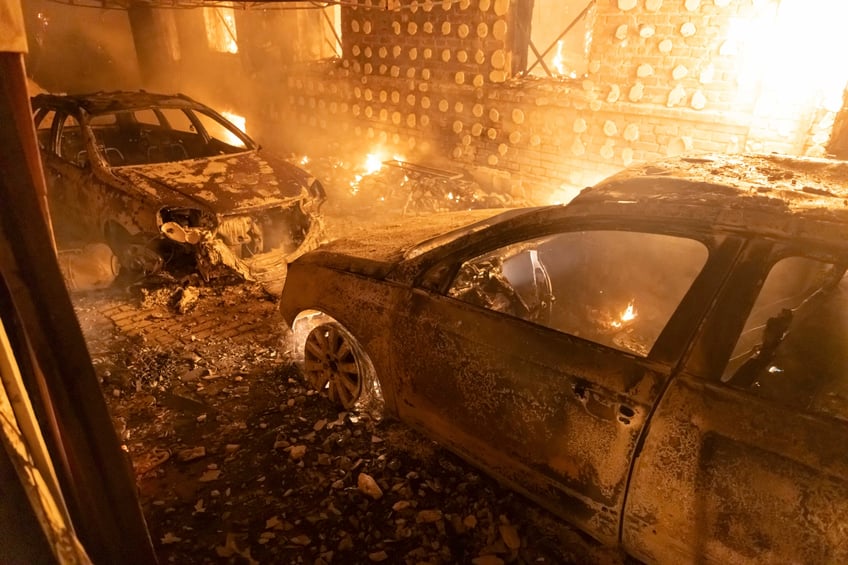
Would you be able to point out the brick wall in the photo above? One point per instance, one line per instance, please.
(431, 82)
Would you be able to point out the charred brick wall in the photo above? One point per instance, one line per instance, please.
(432, 81)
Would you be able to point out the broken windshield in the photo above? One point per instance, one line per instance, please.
(163, 135)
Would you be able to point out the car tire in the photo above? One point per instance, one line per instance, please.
(335, 362)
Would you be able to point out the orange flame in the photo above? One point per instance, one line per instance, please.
(629, 313)
(557, 61)
(373, 163)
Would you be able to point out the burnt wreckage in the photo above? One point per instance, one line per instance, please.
(661, 362)
(163, 178)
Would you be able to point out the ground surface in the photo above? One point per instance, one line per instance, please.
(238, 462)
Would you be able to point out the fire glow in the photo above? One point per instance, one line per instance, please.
(557, 61)
(629, 314)
(373, 163)
(798, 73)
(239, 121)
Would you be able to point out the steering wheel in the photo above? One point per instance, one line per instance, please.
(540, 312)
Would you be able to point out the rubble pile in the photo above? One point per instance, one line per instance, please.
(402, 187)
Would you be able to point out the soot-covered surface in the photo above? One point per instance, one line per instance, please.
(237, 461)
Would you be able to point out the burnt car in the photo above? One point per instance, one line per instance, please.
(165, 180)
(660, 362)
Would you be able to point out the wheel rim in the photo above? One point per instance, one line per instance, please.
(330, 362)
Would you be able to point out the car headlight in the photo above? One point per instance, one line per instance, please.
(185, 225)
(187, 217)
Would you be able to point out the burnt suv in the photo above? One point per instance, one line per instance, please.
(164, 178)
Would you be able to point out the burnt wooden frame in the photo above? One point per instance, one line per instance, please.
(94, 474)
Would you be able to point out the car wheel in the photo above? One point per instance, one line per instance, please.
(333, 360)
(136, 257)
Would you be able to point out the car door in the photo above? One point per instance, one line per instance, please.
(68, 173)
(539, 358)
(745, 461)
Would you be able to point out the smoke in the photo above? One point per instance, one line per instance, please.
(73, 49)
(297, 99)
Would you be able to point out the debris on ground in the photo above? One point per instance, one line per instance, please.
(238, 461)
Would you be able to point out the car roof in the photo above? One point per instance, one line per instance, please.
(769, 196)
(100, 102)
(766, 195)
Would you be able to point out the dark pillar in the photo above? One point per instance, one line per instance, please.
(154, 49)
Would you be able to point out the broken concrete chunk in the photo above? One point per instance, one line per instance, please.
(367, 485)
(186, 299)
(211, 475)
(510, 536)
(428, 516)
(301, 540)
(401, 505)
(192, 453)
(194, 374)
(170, 538)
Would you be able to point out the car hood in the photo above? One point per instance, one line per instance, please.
(374, 248)
(224, 184)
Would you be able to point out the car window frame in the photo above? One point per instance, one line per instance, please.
(677, 335)
(59, 115)
(708, 359)
(84, 138)
(249, 144)
(778, 251)
(53, 145)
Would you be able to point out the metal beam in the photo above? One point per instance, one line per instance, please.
(238, 4)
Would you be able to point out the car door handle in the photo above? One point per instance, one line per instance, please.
(601, 406)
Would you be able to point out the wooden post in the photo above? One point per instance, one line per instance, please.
(94, 474)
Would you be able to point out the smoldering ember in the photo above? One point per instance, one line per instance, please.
(423, 281)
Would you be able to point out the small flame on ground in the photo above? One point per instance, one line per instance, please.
(304, 160)
(354, 185)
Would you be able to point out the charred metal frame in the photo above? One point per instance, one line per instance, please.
(241, 4)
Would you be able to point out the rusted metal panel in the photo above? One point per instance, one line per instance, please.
(225, 184)
(564, 414)
(727, 478)
(769, 195)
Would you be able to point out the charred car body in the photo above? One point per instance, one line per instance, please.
(661, 362)
(162, 177)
